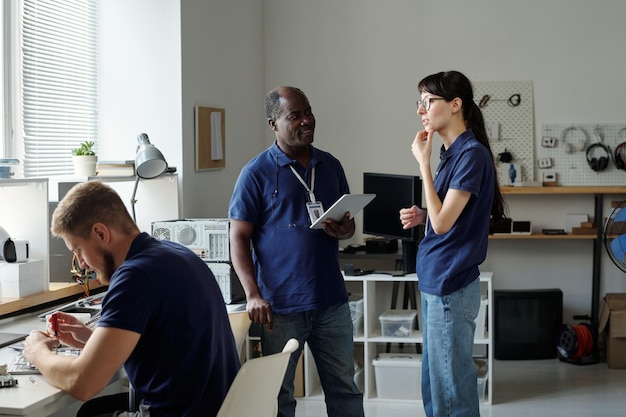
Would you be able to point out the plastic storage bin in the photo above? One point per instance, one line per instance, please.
(356, 311)
(398, 376)
(482, 388)
(481, 320)
(8, 167)
(397, 323)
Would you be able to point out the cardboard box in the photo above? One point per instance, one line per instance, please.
(613, 323)
(574, 220)
(22, 278)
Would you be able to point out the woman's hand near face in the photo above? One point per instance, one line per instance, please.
(422, 146)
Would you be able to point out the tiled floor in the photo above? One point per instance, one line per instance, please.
(549, 388)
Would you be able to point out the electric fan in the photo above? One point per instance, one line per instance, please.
(614, 236)
(578, 344)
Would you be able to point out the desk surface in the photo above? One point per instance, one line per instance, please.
(28, 398)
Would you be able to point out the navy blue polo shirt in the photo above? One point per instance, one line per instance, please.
(297, 268)
(449, 262)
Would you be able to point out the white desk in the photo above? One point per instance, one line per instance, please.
(28, 398)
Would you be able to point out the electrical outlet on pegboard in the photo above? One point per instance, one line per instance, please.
(509, 106)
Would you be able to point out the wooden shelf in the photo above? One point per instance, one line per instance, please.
(57, 291)
(564, 190)
(599, 192)
(541, 236)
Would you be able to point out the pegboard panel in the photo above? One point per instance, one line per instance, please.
(507, 108)
(564, 146)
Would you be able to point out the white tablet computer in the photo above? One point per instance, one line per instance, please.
(348, 202)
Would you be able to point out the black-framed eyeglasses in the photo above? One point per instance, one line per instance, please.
(425, 103)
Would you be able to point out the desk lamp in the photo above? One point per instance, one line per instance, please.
(149, 163)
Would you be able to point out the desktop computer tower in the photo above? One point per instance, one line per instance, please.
(207, 238)
(229, 283)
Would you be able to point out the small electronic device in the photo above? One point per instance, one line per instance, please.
(20, 365)
(6, 379)
(15, 250)
(554, 231)
(521, 227)
(347, 202)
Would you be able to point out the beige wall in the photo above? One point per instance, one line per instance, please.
(359, 62)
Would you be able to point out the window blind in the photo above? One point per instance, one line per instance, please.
(58, 82)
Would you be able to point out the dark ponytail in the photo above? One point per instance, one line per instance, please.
(453, 84)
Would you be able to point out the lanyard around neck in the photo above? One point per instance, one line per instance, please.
(308, 190)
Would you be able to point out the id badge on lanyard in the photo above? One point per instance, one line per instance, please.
(313, 207)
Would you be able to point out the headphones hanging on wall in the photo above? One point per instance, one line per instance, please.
(620, 156)
(577, 146)
(598, 164)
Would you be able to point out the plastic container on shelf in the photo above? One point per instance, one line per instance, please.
(8, 168)
(398, 376)
(356, 311)
(482, 388)
(482, 369)
(397, 323)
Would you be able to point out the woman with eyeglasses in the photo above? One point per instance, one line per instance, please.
(461, 198)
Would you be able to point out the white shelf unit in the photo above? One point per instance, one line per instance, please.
(376, 290)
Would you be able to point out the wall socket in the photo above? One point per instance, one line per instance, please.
(493, 131)
(544, 163)
(548, 141)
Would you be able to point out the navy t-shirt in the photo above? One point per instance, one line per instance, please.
(186, 358)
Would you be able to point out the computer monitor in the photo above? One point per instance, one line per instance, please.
(381, 217)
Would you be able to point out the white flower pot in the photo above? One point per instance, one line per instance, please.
(85, 166)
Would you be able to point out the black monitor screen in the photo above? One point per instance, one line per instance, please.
(381, 217)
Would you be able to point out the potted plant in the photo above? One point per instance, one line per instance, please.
(85, 159)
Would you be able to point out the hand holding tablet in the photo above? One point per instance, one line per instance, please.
(347, 202)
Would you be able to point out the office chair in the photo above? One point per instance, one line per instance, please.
(254, 391)
(240, 323)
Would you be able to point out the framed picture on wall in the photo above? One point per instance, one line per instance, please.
(210, 138)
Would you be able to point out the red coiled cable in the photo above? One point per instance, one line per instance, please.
(585, 340)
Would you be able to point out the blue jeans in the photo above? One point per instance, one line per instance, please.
(449, 376)
(328, 333)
